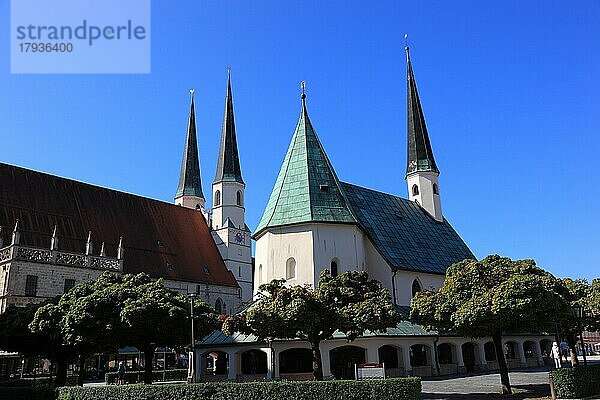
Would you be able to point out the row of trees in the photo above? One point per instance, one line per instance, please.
(487, 298)
(102, 315)
(498, 296)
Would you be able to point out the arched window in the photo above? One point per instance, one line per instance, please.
(415, 190)
(217, 198)
(290, 268)
(416, 287)
(239, 198)
(219, 306)
(334, 268)
(436, 190)
(259, 275)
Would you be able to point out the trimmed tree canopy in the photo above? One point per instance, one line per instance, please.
(491, 297)
(350, 303)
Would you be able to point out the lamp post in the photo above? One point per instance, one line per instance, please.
(192, 357)
(577, 311)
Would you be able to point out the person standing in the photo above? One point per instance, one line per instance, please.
(121, 374)
(555, 354)
(564, 350)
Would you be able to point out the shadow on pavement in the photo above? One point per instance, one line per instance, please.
(520, 392)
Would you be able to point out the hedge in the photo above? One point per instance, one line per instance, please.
(389, 389)
(157, 376)
(577, 382)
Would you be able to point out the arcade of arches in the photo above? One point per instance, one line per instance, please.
(401, 356)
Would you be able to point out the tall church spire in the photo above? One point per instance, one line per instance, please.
(228, 165)
(190, 183)
(421, 171)
(420, 155)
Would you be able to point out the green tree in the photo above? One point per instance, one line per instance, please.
(350, 303)
(155, 316)
(115, 311)
(592, 306)
(490, 298)
(46, 322)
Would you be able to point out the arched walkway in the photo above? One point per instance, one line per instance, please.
(531, 351)
(446, 353)
(391, 356)
(420, 360)
(470, 355)
(253, 365)
(214, 366)
(511, 353)
(342, 360)
(546, 348)
(490, 355)
(295, 364)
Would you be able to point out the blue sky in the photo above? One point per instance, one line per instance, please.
(510, 91)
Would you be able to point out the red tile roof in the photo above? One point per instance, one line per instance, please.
(161, 239)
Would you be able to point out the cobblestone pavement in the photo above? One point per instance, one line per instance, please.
(527, 384)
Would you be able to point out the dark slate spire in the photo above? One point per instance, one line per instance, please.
(228, 165)
(420, 155)
(190, 183)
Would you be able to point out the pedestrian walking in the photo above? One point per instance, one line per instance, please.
(555, 354)
(121, 374)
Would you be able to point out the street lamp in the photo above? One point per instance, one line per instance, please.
(192, 358)
(577, 311)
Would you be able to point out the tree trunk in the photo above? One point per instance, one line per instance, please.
(317, 361)
(61, 372)
(148, 358)
(81, 370)
(572, 353)
(504, 379)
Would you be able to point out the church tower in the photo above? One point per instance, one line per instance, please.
(189, 192)
(228, 213)
(421, 171)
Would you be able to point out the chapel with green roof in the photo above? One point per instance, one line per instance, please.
(313, 221)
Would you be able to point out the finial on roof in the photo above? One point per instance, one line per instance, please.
(102, 252)
(54, 241)
(120, 249)
(303, 86)
(406, 48)
(228, 70)
(192, 90)
(89, 247)
(16, 236)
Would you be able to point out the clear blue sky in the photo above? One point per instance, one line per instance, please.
(510, 90)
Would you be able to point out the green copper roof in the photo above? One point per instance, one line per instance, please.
(403, 233)
(307, 188)
(228, 164)
(190, 183)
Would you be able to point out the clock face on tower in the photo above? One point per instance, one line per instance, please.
(239, 237)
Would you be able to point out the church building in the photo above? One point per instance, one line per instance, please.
(313, 221)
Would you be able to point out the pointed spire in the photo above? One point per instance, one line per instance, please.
(420, 156)
(190, 183)
(120, 249)
(228, 165)
(89, 247)
(16, 236)
(307, 188)
(102, 251)
(54, 241)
